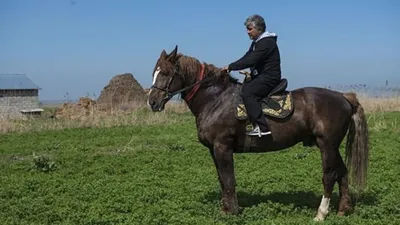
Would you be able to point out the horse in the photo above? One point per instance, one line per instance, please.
(312, 116)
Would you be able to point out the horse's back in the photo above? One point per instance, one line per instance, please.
(322, 108)
(317, 98)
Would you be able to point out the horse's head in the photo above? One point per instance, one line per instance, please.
(166, 80)
(176, 73)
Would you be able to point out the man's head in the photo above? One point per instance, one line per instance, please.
(255, 26)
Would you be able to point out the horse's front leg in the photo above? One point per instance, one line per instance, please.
(223, 158)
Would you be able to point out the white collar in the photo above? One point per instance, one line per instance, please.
(266, 34)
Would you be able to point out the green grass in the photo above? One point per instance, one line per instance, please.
(160, 174)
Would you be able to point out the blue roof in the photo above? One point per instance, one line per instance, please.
(16, 82)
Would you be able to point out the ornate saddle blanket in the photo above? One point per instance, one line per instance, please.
(278, 104)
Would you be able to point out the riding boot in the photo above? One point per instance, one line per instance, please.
(258, 132)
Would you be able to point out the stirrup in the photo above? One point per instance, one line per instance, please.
(257, 132)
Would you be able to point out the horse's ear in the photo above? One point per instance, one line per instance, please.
(173, 55)
(163, 54)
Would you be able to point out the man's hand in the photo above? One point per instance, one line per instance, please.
(247, 74)
(225, 69)
(244, 72)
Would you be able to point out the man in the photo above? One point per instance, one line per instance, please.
(263, 59)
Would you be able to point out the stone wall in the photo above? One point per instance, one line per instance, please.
(13, 101)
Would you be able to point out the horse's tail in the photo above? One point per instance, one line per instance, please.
(357, 146)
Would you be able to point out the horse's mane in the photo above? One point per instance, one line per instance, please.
(191, 66)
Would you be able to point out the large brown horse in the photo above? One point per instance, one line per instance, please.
(314, 116)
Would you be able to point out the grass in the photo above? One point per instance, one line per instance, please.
(145, 168)
(93, 117)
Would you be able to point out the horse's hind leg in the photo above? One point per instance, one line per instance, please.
(334, 170)
(342, 179)
(330, 158)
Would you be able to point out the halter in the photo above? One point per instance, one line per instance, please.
(196, 85)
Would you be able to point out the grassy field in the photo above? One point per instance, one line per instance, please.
(143, 172)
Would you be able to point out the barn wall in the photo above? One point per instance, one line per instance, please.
(13, 101)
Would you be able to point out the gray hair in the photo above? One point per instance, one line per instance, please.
(256, 21)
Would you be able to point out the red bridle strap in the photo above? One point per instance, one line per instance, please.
(195, 88)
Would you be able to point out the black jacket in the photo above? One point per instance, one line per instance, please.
(263, 60)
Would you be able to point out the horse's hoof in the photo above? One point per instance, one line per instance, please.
(231, 211)
(321, 215)
(345, 210)
(319, 218)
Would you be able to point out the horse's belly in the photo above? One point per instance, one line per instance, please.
(262, 144)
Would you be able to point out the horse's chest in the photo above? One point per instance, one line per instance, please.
(205, 135)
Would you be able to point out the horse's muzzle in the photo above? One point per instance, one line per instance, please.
(155, 107)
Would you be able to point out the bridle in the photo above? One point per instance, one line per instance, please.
(196, 85)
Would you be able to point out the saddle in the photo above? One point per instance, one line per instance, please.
(278, 103)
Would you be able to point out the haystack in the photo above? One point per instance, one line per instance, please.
(122, 92)
(83, 108)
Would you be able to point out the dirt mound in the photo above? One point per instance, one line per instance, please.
(73, 111)
(122, 91)
(147, 91)
(122, 94)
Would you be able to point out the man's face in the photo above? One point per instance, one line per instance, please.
(252, 32)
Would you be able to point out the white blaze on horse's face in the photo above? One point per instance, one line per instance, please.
(155, 75)
(158, 70)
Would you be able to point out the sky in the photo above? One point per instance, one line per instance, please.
(73, 48)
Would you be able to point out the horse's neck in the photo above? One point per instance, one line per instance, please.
(209, 97)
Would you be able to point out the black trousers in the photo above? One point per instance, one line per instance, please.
(253, 92)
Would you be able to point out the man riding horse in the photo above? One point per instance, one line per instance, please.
(321, 118)
(263, 59)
